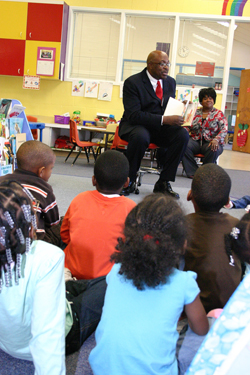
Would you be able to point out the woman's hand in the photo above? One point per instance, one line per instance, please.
(214, 144)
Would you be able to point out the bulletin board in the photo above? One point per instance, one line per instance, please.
(45, 61)
(204, 69)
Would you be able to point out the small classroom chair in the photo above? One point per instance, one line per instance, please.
(110, 127)
(83, 145)
(198, 158)
(33, 131)
(120, 144)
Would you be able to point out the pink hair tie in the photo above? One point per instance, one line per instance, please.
(148, 237)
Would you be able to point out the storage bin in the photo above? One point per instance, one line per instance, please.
(62, 119)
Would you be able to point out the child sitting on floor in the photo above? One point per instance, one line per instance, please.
(243, 202)
(95, 219)
(238, 241)
(206, 254)
(32, 288)
(146, 294)
(35, 162)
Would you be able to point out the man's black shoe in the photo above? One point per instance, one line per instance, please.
(165, 188)
(129, 189)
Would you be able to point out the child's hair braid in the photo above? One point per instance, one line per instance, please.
(16, 221)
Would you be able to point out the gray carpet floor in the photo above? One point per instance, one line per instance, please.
(68, 181)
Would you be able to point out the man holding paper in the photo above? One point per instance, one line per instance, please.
(145, 97)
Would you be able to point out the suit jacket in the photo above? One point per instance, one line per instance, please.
(141, 105)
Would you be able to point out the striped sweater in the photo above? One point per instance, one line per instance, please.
(47, 209)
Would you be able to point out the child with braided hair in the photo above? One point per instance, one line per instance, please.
(32, 288)
(238, 242)
(146, 294)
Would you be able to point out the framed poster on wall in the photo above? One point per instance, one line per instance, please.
(45, 61)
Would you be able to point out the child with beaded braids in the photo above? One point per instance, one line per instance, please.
(32, 289)
(146, 294)
(238, 242)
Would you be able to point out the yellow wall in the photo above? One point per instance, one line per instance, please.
(54, 97)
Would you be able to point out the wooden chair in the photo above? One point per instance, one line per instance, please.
(83, 145)
(120, 144)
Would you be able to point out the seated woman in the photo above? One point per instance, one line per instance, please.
(207, 133)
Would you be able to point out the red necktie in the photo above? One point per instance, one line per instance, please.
(158, 90)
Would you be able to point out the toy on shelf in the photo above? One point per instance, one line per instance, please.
(102, 120)
(76, 117)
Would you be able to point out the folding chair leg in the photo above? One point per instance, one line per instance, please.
(87, 153)
(80, 150)
(70, 153)
(94, 154)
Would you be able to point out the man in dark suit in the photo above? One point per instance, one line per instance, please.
(145, 96)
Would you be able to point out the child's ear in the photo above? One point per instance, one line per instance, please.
(93, 181)
(184, 247)
(127, 182)
(41, 171)
(189, 195)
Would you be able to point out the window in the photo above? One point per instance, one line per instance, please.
(95, 45)
(111, 45)
(203, 41)
(141, 37)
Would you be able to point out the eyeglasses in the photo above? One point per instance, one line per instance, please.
(163, 64)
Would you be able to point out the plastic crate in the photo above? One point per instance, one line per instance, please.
(62, 119)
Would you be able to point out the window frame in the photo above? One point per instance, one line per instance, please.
(177, 18)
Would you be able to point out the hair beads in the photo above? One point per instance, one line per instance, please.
(16, 219)
(9, 219)
(20, 236)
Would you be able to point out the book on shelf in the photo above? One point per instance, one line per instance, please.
(186, 110)
(16, 125)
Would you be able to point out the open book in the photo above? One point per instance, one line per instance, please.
(175, 107)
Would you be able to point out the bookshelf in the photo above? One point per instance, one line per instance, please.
(231, 106)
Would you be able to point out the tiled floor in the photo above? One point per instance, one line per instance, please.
(234, 159)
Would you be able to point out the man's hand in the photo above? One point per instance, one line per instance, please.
(214, 144)
(173, 120)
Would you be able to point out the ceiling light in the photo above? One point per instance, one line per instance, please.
(208, 41)
(226, 24)
(206, 49)
(200, 54)
(212, 31)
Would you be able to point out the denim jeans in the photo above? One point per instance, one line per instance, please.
(86, 299)
(188, 345)
(242, 202)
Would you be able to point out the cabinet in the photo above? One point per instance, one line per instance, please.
(13, 19)
(12, 64)
(40, 25)
(44, 22)
(231, 105)
(243, 112)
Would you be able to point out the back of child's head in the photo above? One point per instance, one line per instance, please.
(238, 240)
(111, 170)
(33, 155)
(16, 220)
(211, 187)
(155, 233)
